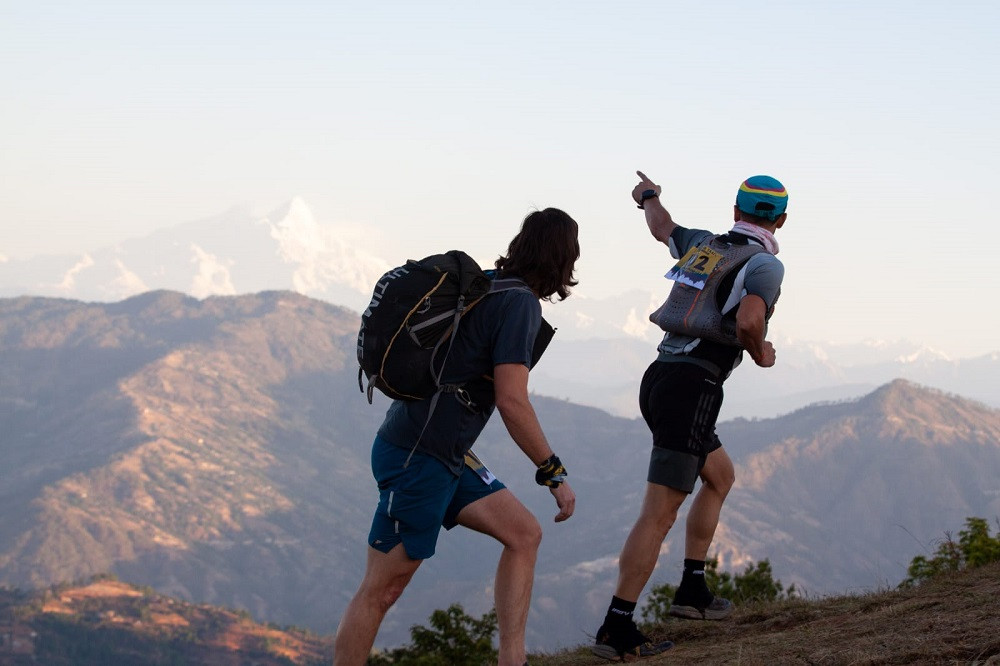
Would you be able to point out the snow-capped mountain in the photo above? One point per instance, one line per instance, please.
(232, 253)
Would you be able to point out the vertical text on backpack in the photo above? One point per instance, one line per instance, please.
(380, 288)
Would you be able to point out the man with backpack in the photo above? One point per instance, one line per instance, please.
(724, 291)
(419, 458)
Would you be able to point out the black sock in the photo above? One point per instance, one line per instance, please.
(619, 612)
(694, 570)
(693, 590)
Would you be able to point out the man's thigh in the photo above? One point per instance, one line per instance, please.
(391, 570)
(499, 515)
(718, 470)
(473, 486)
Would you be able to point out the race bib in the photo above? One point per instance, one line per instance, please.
(694, 267)
(477, 466)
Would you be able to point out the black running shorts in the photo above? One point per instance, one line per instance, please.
(680, 402)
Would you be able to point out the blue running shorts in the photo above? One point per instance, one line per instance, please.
(417, 500)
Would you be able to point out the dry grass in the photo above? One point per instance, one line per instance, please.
(951, 620)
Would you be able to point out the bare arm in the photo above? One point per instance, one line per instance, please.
(510, 381)
(658, 219)
(750, 328)
(511, 384)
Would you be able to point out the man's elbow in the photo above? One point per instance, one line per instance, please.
(746, 330)
(509, 402)
(504, 403)
(744, 327)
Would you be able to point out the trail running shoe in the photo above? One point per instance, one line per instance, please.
(718, 609)
(626, 644)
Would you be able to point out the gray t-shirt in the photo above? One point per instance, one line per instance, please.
(499, 329)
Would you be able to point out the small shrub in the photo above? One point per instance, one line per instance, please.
(454, 638)
(974, 548)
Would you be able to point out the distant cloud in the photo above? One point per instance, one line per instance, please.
(212, 277)
(69, 279)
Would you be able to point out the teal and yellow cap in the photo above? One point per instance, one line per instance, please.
(762, 196)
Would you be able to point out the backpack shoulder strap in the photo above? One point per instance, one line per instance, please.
(506, 284)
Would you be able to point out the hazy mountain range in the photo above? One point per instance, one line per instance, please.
(217, 450)
(240, 252)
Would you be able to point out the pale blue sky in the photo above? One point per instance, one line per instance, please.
(443, 123)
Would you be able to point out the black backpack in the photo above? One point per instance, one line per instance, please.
(414, 309)
(408, 328)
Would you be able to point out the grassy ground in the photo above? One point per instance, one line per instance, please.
(954, 619)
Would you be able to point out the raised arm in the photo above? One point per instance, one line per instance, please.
(647, 196)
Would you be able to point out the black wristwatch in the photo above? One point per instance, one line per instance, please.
(646, 194)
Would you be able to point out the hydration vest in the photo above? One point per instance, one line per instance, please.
(694, 307)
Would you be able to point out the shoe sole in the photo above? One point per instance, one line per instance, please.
(692, 613)
(611, 654)
(605, 652)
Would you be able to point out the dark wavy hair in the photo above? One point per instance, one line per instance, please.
(544, 253)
